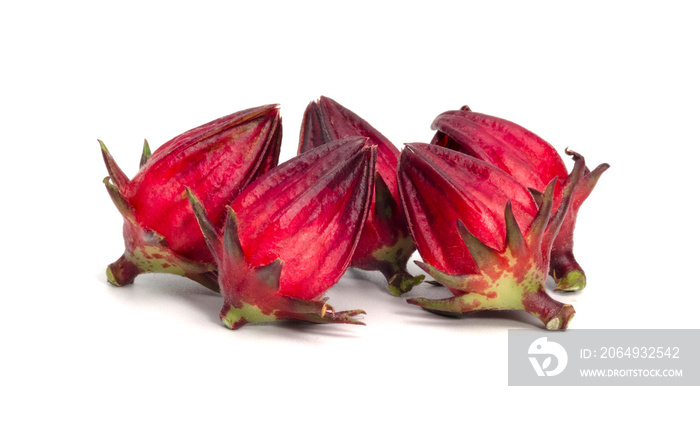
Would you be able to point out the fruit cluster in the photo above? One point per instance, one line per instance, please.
(489, 206)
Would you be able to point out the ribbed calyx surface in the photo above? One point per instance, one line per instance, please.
(531, 161)
(385, 244)
(466, 217)
(290, 235)
(216, 160)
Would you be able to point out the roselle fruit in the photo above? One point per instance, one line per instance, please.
(481, 233)
(530, 160)
(386, 244)
(290, 235)
(216, 160)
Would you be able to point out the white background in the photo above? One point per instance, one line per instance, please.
(616, 81)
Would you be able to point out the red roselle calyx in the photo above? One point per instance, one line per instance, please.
(216, 160)
(466, 217)
(386, 243)
(290, 235)
(534, 163)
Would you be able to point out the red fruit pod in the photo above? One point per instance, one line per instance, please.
(465, 216)
(216, 160)
(386, 244)
(290, 235)
(530, 160)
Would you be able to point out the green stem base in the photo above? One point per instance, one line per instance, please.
(553, 314)
(567, 273)
(125, 270)
(318, 312)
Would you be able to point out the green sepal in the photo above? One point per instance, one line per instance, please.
(118, 177)
(537, 196)
(208, 230)
(514, 237)
(146, 154)
(591, 178)
(434, 283)
(231, 241)
(463, 304)
(270, 274)
(124, 207)
(461, 282)
(541, 220)
(482, 254)
(557, 219)
(570, 186)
